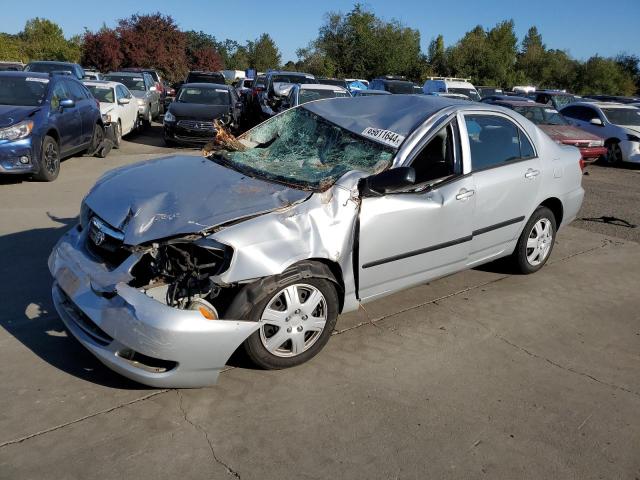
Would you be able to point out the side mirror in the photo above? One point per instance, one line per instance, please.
(123, 101)
(67, 103)
(390, 180)
(596, 121)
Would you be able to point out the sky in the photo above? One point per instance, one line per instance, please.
(583, 27)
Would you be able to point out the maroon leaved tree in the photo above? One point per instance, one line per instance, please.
(101, 50)
(154, 41)
(206, 59)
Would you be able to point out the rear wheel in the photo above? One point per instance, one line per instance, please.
(49, 160)
(536, 241)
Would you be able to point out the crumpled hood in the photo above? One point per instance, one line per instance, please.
(106, 108)
(180, 194)
(10, 114)
(198, 112)
(568, 132)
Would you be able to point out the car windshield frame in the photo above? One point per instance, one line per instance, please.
(549, 116)
(128, 81)
(303, 150)
(185, 90)
(39, 86)
(634, 114)
(102, 88)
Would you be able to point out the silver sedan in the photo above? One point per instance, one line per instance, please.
(266, 240)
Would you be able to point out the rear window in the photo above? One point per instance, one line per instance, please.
(398, 86)
(131, 82)
(205, 78)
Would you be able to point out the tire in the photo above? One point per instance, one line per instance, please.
(117, 135)
(49, 160)
(299, 332)
(169, 143)
(614, 153)
(536, 242)
(149, 119)
(96, 139)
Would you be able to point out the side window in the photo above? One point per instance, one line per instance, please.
(571, 112)
(440, 157)
(58, 93)
(76, 91)
(495, 141)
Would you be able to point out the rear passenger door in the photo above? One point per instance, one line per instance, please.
(86, 105)
(506, 174)
(66, 120)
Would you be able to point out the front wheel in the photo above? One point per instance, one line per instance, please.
(536, 241)
(614, 154)
(117, 134)
(296, 322)
(49, 161)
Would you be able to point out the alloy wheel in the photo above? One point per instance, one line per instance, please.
(51, 158)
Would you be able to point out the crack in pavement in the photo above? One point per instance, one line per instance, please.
(215, 458)
(78, 420)
(370, 322)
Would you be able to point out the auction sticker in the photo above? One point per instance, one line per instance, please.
(35, 79)
(387, 137)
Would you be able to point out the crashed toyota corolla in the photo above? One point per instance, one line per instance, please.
(262, 243)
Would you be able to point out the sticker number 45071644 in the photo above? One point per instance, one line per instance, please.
(384, 136)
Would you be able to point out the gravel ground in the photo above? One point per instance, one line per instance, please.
(612, 202)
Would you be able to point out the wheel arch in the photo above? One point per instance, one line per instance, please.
(555, 205)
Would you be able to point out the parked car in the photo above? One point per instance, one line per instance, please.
(205, 77)
(617, 123)
(523, 89)
(142, 86)
(277, 86)
(243, 86)
(489, 91)
(612, 98)
(157, 79)
(456, 96)
(90, 74)
(310, 92)
(553, 98)
(392, 84)
(500, 98)
(369, 93)
(451, 85)
(351, 80)
(558, 128)
(338, 82)
(43, 119)
(11, 66)
(49, 67)
(118, 107)
(314, 212)
(190, 118)
(170, 95)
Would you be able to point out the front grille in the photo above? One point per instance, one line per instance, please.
(197, 125)
(83, 322)
(106, 243)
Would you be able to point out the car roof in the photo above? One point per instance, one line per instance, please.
(285, 72)
(601, 105)
(373, 91)
(120, 73)
(520, 103)
(207, 85)
(104, 83)
(22, 73)
(400, 114)
(52, 62)
(321, 86)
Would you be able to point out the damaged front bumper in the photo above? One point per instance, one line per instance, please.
(132, 333)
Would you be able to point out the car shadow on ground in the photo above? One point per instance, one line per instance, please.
(30, 316)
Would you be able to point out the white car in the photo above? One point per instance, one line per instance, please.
(450, 85)
(117, 106)
(300, 94)
(617, 123)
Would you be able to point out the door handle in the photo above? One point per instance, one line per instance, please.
(464, 194)
(531, 173)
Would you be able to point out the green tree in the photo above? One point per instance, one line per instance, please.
(437, 56)
(604, 75)
(263, 53)
(631, 65)
(12, 48)
(44, 40)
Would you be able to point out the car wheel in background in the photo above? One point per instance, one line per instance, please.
(117, 134)
(149, 118)
(614, 153)
(536, 241)
(296, 318)
(49, 160)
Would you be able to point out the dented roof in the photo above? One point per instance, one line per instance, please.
(400, 114)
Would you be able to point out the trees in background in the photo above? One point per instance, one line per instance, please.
(355, 44)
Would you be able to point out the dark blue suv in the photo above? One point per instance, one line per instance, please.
(44, 118)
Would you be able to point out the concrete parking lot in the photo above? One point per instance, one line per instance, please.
(479, 375)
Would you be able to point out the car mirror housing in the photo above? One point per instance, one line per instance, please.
(389, 181)
(67, 103)
(596, 121)
(123, 101)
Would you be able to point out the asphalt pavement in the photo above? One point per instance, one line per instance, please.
(482, 374)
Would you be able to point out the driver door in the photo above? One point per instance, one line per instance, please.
(411, 237)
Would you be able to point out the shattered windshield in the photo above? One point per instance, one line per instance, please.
(302, 149)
